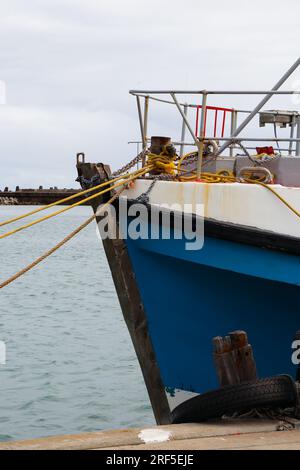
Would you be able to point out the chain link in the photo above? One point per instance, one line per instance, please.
(144, 197)
(131, 164)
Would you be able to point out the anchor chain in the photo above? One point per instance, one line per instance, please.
(131, 164)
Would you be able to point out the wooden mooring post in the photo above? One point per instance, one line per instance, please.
(234, 359)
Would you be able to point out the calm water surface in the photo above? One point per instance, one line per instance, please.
(70, 364)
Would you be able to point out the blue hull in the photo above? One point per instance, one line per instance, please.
(192, 296)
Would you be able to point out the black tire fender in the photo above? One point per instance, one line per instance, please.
(272, 392)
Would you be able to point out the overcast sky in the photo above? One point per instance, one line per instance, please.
(68, 66)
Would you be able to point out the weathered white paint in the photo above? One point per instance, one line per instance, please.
(179, 396)
(244, 204)
(149, 436)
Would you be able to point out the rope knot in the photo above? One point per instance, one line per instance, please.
(164, 161)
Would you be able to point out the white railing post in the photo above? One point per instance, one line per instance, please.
(185, 110)
(298, 137)
(202, 135)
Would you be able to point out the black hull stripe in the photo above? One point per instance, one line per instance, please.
(241, 233)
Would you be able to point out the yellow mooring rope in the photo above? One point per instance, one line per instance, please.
(130, 177)
(60, 244)
(69, 198)
(282, 199)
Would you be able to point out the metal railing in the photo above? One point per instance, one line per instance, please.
(199, 135)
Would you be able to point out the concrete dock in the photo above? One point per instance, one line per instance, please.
(228, 435)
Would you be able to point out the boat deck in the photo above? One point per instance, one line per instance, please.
(250, 435)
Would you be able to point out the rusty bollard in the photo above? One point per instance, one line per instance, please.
(233, 358)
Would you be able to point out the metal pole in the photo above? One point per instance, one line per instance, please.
(293, 124)
(146, 111)
(197, 143)
(185, 110)
(138, 102)
(252, 139)
(137, 152)
(184, 118)
(260, 105)
(233, 128)
(214, 92)
(202, 135)
(298, 137)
